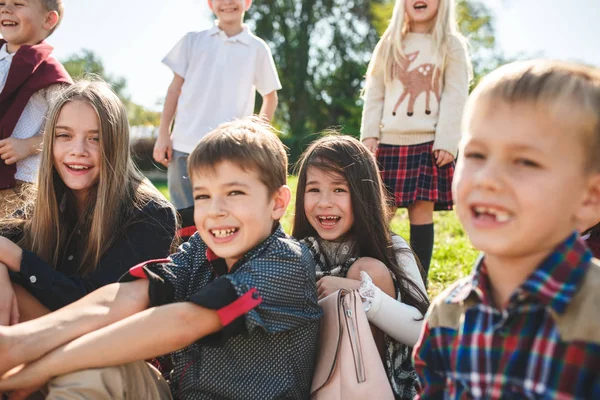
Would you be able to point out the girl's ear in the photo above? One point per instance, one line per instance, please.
(281, 199)
(51, 20)
(588, 213)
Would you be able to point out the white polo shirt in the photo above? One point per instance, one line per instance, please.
(221, 76)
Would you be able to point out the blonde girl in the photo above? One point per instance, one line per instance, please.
(90, 217)
(417, 85)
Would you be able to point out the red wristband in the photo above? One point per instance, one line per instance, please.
(138, 270)
(239, 307)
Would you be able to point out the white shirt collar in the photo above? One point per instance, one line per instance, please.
(242, 37)
(4, 53)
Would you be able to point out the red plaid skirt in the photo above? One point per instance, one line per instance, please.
(410, 174)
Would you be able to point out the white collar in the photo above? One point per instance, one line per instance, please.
(4, 52)
(242, 37)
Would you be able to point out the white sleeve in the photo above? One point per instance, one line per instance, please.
(52, 92)
(454, 98)
(370, 126)
(397, 319)
(266, 79)
(406, 260)
(178, 58)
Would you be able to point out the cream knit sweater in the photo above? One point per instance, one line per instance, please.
(419, 105)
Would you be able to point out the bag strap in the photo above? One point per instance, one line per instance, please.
(334, 338)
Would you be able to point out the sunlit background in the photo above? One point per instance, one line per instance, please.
(132, 36)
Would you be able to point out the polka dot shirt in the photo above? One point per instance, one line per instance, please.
(272, 355)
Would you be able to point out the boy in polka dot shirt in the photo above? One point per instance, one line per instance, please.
(236, 306)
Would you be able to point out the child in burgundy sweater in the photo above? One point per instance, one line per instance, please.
(28, 75)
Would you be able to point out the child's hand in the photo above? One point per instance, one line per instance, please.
(371, 144)
(13, 150)
(331, 284)
(163, 150)
(9, 310)
(10, 254)
(442, 157)
(23, 381)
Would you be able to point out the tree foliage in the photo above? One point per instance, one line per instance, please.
(322, 49)
(476, 23)
(86, 64)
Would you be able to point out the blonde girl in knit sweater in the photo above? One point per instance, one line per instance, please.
(417, 85)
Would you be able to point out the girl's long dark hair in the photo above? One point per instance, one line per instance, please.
(351, 159)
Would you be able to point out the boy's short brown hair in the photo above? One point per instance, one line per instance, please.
(565, 90)
(251, 144)
(54, 5)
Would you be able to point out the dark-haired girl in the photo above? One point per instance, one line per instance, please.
(341, 214)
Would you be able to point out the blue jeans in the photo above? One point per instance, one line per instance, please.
(180, 187)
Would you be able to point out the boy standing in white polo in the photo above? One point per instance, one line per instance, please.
(216, 75)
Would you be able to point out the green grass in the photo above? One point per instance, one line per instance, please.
(162, 186)
(453, 255)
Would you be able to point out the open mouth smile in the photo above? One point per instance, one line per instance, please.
(223, 233)
(78, 167)
(491, 214)
(328, 221)
(420, 5)
(9, 23)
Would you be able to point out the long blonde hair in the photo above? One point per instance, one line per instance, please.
(51, 219)
(389, 52)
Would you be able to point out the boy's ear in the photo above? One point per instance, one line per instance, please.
(248, 4)
(51, 20)
(210, 4)
(281, 198)
(588, 214)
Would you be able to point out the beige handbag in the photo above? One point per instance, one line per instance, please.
(348, 364)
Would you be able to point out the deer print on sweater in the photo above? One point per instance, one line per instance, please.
(424, 78)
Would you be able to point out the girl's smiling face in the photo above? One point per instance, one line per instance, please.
(76, 148)
(327, 203)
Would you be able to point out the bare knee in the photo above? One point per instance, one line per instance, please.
(421, 212)
(367, 264)
(377, 270)
(29, 307)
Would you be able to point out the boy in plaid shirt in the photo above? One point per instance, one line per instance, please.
(236, 305)
(525, 323)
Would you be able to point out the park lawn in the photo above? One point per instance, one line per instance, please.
(453, 255)
(161, 184)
